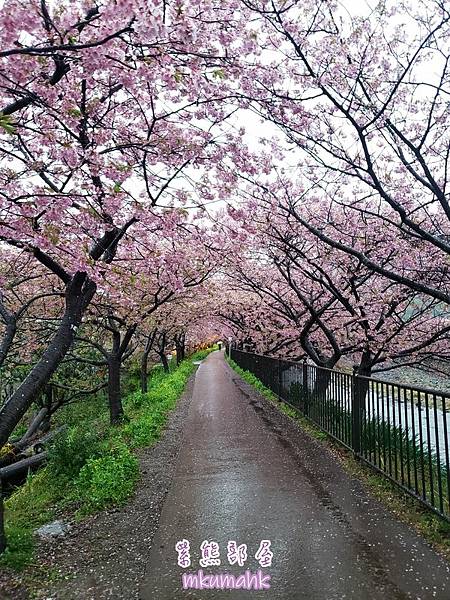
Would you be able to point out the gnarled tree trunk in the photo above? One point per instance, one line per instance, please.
(79, 293)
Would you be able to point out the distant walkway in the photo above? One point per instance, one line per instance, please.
(241, 477)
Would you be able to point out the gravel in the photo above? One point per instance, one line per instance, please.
(416, 377)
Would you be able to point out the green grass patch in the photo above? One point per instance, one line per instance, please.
(433, 528)
(92, 466)
(32, 505)
(107, 480)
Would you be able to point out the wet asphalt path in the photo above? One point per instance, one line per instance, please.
(239, 477)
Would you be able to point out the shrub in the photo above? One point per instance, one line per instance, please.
(71, 450)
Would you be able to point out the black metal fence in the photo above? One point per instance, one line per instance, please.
(401, 431)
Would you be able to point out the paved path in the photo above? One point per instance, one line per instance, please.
(240, 477)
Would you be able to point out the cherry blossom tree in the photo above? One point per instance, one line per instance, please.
(150, 276)
(362, 101)
(336, 305)
(111, 120)
(105, 110)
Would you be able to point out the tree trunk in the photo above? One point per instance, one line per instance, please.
(8, 338)
(323, 377)
(161, 351)
(165, 362)
(361, 387)
(144, 372)
(114, 397)
(79, 292)
(183, 346)
(22, 466)
(364, 369)
(33, 427)
(44, 427)
(321, 383)
(179, 340)
(179, 357)
(144, 361)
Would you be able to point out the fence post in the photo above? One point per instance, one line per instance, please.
(305, 387)
(356, 412)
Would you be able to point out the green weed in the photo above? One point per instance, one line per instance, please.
(107, 481)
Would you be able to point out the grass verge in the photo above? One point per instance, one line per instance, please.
(92, 466)
(434, 529)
